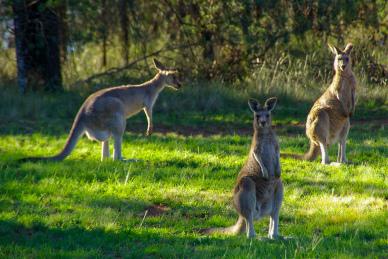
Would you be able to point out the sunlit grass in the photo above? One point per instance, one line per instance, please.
(81, 207)
(84, 207)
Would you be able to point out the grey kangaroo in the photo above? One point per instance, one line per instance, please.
(259, 190)
(104, 113)
(328, 121)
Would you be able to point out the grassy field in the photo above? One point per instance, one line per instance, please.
(84, 208)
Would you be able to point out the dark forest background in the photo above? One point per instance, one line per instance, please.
(56, 45)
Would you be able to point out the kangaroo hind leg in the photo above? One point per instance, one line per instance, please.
(325, 153)
(245, 203)
(320, 133)
(118, 129)
(273, 231)
(105, 150)
(342, 143)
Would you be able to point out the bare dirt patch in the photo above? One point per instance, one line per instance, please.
(223, 130)
(155, 210)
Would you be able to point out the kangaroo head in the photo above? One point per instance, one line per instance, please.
(170, 75)
(262, 114)
(342, 61)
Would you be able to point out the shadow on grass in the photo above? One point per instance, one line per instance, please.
(98, 242)
(167, 173)
(207, 110)
(198, 109)
(39, 239)
(346, 186)
(214, 146)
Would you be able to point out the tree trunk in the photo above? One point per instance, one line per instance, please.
(37, 46)
(104, 32)
(62, 13)
(20, 19)
(123, 8)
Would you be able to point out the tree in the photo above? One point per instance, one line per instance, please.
(124, 24)
(37, 41)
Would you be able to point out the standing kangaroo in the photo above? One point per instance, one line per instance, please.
(104, 113)
(259, 190)
(328, 120)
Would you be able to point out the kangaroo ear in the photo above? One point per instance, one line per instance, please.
(271, 103)
(348, 48)
(158, 65)
(334, 49)
(254, 104)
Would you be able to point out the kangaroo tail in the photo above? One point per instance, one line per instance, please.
(290, 155)
(237, 228)
(76, 132)
(227, 230)
(311, 155)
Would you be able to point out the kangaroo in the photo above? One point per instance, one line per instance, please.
(104, 113)
(328, 120)
(259, 190)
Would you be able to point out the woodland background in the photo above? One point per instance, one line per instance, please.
(62, 43)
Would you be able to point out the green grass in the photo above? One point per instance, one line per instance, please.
(84, 208)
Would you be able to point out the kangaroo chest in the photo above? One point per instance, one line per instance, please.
(346, 95)
(266, 151)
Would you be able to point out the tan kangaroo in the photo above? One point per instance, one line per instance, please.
(328, 119)
(104, 113)
(259, 190)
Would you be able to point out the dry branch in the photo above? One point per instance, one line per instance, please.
(115, 70)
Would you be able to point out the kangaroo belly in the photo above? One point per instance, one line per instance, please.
(265, 197)
(263, 209)
(133, 109)
(265, 189)
(337, 123)
(134, 103)
(99, 135)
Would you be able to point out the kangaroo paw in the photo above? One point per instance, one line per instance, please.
(336, 163)
(264, 171)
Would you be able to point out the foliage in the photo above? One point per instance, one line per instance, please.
(222, 40)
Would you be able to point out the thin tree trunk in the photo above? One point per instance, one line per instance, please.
(123, 8)
(37, 46)
(52, 55)
(104, 32)
(62, 13)
(20, 19)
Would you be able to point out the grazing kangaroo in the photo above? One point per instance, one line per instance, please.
(259, 190)
(328, 120)
(104, 113)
